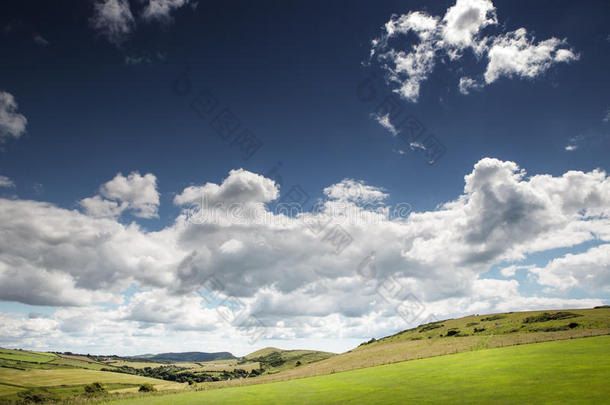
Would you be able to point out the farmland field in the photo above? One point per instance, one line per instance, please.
(48, 378)
(571, 371)
(57, 376)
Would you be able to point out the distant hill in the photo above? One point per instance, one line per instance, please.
(186, 356)
(262, 353)
(273, 360)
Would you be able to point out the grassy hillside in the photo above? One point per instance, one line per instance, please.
(453, 336)
(61, 375)
(563, 372)
(274, 360)
(36, 375)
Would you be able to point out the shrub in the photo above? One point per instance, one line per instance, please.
(298, 363)
(147, 387)
(453, 332)
(95, 388)
(430, 326)
(547, 316)
(368, 342)
(191, 381)
(493, 318)
(36, 397)
(477, 330)
(556, 328)
(471, 324)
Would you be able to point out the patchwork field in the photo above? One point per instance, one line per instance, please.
(564, 372)
(47, 376)
(471, 345)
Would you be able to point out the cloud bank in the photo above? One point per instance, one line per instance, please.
(285, 268)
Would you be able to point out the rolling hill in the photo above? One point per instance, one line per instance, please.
(186, 356)
(454, 336)
(427, 354)
(274, 360)
(561, 372)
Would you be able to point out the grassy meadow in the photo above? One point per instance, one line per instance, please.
(562, 372)
(462, 351)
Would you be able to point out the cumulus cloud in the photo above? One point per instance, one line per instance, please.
(286, 269)
(113, 19)
(517, 54)
(512, 54)
(135, 192)
(464, 21)
(589, 270)
(12, 123)
(356, 191)
(240, 186)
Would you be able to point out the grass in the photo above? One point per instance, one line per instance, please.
(52, 373)
(20, 355)
(49, 378)
(275, 360)
(402, 346)
(572, 371)
(136, 364)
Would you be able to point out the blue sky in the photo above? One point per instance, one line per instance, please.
(97, 143)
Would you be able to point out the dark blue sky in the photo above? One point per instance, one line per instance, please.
(289, 71)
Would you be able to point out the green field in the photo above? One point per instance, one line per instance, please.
(467, 357)
(572, 371)
(431, 340)
(58, 376)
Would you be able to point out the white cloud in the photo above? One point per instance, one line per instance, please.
(511, 270)
(516, 54)
(589, 270)
(12, 124)
(570, 148)
(355, 191)
(161, 9)
(113, 19)
(240, 186)
(508, 55)
(6, 182)
(288, 272)
(135, 192)
(384, 121)
(467, 83)
(97, 206)
(464, 21)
